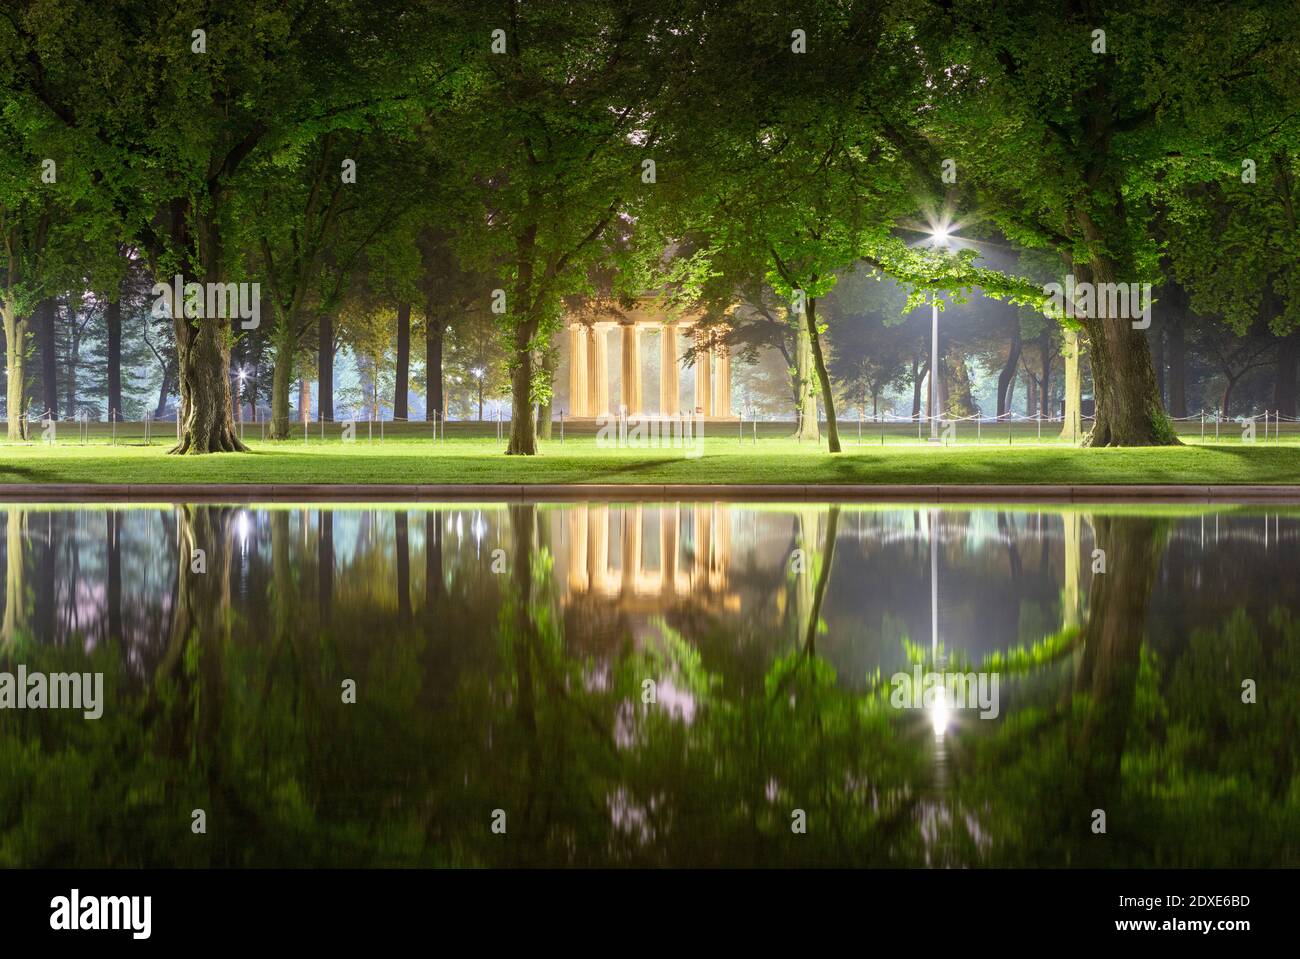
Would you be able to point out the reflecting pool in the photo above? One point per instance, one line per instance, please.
(687, 684)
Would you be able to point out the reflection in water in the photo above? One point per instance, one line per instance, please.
(651, 684)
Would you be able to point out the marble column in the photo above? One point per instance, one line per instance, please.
(600, 385)
(577, 370)
(723, 406)
(669, 384)
(631, 387)
(704, 377)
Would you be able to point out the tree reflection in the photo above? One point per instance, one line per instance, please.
(687, 738)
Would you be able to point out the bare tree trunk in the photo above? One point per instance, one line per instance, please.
(823, 376)
(45, 318)
(436, 401)
(401, 388)
(1284, 391)
(806, 410)
(325, 371)
(15, 328)
(113, 322)
(1007, 378)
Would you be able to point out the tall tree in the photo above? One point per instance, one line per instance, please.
(1051, 115)
(559, 115)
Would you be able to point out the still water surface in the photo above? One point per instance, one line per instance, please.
(503, 656)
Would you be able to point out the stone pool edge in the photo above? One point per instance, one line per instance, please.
(197, 492)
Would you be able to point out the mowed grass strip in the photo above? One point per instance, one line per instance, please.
(481, 460)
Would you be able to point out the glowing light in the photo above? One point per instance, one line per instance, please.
(940, 236)
(940, 712)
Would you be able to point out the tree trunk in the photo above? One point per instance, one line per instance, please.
(1045, 390)
(1175, 355)
(325, 373)
(1007, 378)
(1112, 640)
(281, 373)
(523, 437)
(401, 388)
(433, 584)
(304, 402)
(44, 317)
(807, 427)
(167, 387)
(433, 330)
(202, 348)
(1284, 392)
(1228, 386)
(544, 410)
(918, 369)
(823, 376)
(325, 561)
(1072, 427)
(1031, 393)
(113, 544)
(1129, 411)
(72, 359)
(15, 368)
(403, 548)
(113, 321)
(1157, 341)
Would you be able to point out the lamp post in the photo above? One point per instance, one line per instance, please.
(939, 238)
(478, 375)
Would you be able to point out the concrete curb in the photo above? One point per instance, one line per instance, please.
(242, 492)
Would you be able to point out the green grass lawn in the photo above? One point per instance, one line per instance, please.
(409, 456)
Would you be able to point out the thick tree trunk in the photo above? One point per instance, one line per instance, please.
(1007, 378)
(1129, 411)
(113, 322)
(823, 376)
(45, 319)
(1284, 391)
(523, 436)
(203, 359)
(325, 372)
(1112, 640)
(401, 388)
(807, 427)
(435, 401)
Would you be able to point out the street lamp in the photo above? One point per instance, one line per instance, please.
(478, 375)
(243, 375)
